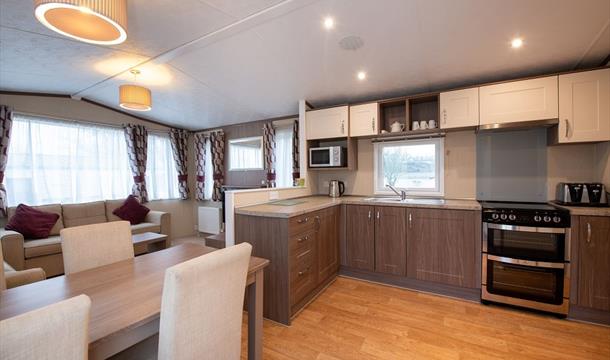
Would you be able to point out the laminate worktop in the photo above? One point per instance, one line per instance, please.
(584, 210)
(314, 203)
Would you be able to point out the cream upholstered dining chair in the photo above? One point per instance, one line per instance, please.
(202, 306)
(56, 331)
(89, 246)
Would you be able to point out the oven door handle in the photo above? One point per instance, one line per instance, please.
(542, 264)
(526, 228)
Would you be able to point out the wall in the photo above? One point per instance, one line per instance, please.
(460, 169)
(243, 178)
(182, 210)
(602, 162)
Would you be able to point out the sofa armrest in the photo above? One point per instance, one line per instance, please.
(24, 277)
(12, 248)
(163, 219)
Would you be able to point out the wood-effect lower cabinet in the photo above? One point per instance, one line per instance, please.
(303, 252)
(376, 239)
(593, 262)
(443, 246)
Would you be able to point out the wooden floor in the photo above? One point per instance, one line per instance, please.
(353, 319)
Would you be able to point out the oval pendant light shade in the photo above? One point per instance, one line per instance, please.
(134, 97)
(102, 22)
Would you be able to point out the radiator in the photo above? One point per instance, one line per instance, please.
(209, 220)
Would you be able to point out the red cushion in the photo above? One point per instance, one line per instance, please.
(132, 210)
(32, 223)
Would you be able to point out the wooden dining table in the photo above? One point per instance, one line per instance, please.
(126, 298)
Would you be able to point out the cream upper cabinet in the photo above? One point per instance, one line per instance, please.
(364, 119)
(459, 108)
(525, 100)
(327, 123)
(584, 106)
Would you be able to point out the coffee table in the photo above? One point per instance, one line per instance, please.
(148, 242)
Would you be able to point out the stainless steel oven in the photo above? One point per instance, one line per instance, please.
(525, 257)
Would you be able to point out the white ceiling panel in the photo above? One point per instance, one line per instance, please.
(245, 67)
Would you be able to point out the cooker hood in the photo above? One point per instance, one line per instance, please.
(518, 125)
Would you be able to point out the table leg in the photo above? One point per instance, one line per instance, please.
(255, 317)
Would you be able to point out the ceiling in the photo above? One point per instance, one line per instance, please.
(217, 62)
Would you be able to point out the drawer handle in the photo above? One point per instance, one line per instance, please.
(301, 221)
(300, 240)
(301, 273)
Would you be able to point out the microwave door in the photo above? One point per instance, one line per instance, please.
(320, 157)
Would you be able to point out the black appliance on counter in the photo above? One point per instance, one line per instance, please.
(526, 256)
(581, 194)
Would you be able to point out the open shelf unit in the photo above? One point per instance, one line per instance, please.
(408, 110)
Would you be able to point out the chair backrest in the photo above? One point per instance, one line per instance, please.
(56, 331)
(202, 304)
(89, 246)
(2, 278)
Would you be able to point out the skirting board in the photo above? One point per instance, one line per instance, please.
(413, 284)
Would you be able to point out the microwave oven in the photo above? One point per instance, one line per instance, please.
(330, 156)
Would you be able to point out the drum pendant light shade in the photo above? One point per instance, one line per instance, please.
(134, 97)
(102, 22)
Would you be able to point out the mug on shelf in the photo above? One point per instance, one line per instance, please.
(415, 125)
(431, 124)
(423, 124)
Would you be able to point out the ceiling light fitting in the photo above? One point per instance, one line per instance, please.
(134, 97)
(516, 43)
(101, 22)
(329, 23)
(361, 75)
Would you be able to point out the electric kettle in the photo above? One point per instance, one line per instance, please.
(336, 188)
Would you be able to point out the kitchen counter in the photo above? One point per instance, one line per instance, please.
(313, 203)
(584, 210)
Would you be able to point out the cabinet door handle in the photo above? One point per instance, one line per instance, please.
(378, 216)
(373, 123)
(444, 116)
(301, 273)
(342, 127)
(588, 233)
(410, 220)
(567, 127)
(370, 214)
(300, 240)
(301, 221)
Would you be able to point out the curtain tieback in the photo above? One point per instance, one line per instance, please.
(182, 177)
(296, 174)
(218, 176)
(138, 179)
(270, 176)
(200, 178)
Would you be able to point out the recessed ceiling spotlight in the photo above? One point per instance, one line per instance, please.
(329, 23)
(516, 43)
(361, 75)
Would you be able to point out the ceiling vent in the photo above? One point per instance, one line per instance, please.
(351, 43)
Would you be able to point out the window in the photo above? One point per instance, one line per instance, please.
(52, 161)
(208, 184)
(283, 156)
(161, 173)
(412, 165)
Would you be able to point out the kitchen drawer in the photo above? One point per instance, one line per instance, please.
(298, 244)
(301, 224)
(302, 276)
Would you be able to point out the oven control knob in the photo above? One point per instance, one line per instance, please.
(494, 216)
(512, 217)
(556, 219)
(537, 218)
(547, 219)
(503, 216)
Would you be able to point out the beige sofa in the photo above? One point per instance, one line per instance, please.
(23, 254)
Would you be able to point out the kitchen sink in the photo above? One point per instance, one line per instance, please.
(422, 201)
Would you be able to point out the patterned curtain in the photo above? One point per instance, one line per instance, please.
(296, 169)
(199, 143)
(218, 161)
(179, 139)
(269, 152)
(6, 122)
(137, 145)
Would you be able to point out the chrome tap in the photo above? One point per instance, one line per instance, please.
(402, 193)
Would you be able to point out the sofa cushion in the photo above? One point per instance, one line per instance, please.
(132, 210)
(42, 247)
(84, 214)
(52, 208)
(112, 205)
(32, 223)
(145, 227)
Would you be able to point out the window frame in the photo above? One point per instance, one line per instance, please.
(439, 189)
